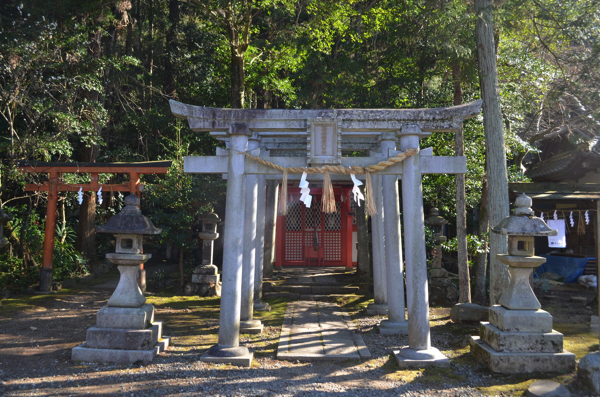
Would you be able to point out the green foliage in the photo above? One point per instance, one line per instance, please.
(475, 245)
(19, 270)
(14, 275)
(67, 261)
(175, 202)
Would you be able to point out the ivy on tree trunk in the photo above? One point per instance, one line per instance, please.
(497, 202)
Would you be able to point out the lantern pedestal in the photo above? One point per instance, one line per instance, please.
(519, 337)
(125, 330)
(123, 336)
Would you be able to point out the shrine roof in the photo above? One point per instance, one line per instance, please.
(568, 165)
(557, 191)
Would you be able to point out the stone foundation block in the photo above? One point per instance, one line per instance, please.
(469, 313)
(432, 358)
(126, 339)
(205, 278)
(377, 309)
(117, 356)
(523, 342)
(520, 320)
(514, 363)
(588, 373)
(125, 317)
(547, 388)
(206, 269)
(242, 360)
(257, 329)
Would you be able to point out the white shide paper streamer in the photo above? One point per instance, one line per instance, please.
(305, 196)
(356, 190)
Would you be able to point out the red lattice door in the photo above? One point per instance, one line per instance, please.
(308, 236)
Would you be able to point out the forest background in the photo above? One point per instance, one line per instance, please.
(90, 81)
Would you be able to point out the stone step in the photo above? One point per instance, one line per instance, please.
(316, 289)
(311, 297)
(324, 298)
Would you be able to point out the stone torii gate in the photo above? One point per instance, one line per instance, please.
(298, 138)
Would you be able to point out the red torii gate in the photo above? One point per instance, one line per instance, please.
(54, 185)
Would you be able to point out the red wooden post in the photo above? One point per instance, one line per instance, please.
(280, 235)
(46, 272)
(279, 240)
(134, 183)
(346, 228)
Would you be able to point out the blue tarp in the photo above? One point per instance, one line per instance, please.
(570, 268)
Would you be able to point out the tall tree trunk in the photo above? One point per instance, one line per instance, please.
(464, 281)
(86, 230)
(237, 24)
(497, 204)
(479, 290)
(151, 52)
(171, 48)
(181, 273)
(237, 79)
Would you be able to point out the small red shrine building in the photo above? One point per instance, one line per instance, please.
(310, 237)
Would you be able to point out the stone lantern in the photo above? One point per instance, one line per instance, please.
(125, 330)
(208, 235)
(519, 337)
(442, 286)
(205, 280)
(436, 221)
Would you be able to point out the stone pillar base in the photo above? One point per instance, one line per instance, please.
(251, 327)
(513, 363)
(228, 355)
(377, 309)
(387, 327)
(262, 307)
(46, 281)
(411, 358)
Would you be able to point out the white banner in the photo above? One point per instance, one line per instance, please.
(560, 240)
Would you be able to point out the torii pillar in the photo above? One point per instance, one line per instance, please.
(379, 306)
(419, 351)
(396, 322)
(228, 349)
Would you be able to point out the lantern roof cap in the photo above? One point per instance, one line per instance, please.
(129, 221)
(434, 218)
(523, 222)
(211, 217)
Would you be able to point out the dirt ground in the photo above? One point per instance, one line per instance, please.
(37, 334)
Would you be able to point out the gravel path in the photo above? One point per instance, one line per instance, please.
(36, 342)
